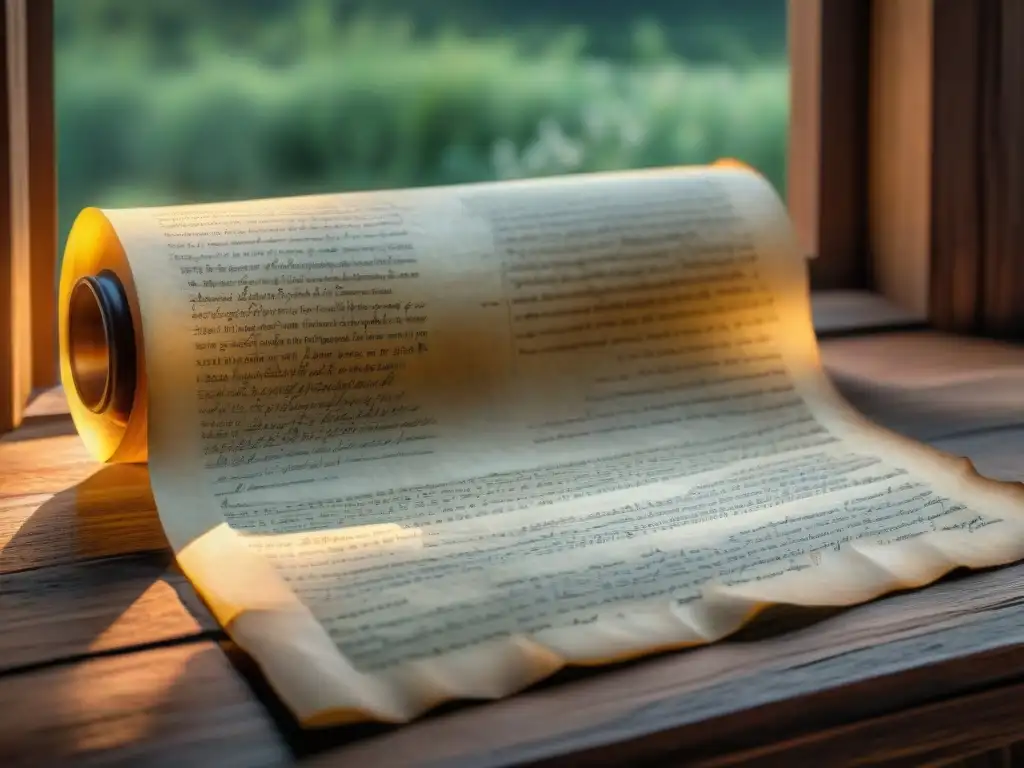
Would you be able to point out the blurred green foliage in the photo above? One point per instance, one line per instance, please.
(168, 101)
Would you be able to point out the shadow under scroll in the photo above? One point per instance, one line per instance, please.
(111, 512)
(98, 661)
(89, 572)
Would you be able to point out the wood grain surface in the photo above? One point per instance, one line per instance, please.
(67, 612)
(176, 706)
(108, 658)
(58, 506)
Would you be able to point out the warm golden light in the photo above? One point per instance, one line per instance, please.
(101, 345)
(101, 352)
(421, 445)
(89, 346)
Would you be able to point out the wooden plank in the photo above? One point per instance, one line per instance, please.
(929, 735)
(963, 395)
(847, 312)
(182, 705)
(1004, 757)
(47, 401)
(61, 613)
(920, 360)
(828, 45)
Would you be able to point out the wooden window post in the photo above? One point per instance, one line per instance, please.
(28, 207)
(977, 193)
(946, 170)
(828, 137)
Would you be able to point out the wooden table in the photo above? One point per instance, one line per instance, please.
(107, 656)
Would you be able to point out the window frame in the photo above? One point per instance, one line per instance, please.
(28, 207)
(846, 125)
(976, 274)
(902, 120)
(825, 183)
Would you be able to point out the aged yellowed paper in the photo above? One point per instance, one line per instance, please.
(426, 444)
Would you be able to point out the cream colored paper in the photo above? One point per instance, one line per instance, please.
(427, 444)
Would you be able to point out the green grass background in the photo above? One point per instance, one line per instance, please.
(165, 101)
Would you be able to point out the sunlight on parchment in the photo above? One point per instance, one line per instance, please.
(588, 411)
